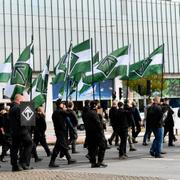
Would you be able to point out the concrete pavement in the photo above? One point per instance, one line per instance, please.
(139, 165)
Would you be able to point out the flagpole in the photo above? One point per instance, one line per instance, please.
(92, 70)
(68, 70)
(32, 38)
(162, 73)
(127, 83)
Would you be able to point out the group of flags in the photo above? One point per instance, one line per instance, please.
(77, 70)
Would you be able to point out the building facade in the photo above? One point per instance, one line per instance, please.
(145, 24)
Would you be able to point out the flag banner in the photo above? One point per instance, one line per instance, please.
(60, 70)
(39, 86)
(81, 58)
(96, 58)
(116, 63)
(6, 69)
(11, 90)
(150, 66)
(22, 71)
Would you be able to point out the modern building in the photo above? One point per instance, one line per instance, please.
(145, 24)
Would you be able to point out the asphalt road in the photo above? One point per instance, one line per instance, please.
(139, 165)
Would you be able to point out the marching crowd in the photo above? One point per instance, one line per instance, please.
(124, 118)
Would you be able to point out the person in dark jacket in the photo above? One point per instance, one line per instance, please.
(155, 120)
(136, 127)
(169, 122)
(40, 129)
(121, 127)
(86, 108)
(21, 138)
(95, 137)
(112, 117)
(61, 125)
(74, 121)
(128, 107)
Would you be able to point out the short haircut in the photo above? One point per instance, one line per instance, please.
(58, 102)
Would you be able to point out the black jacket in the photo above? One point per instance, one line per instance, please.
(112, 115)
(122, 119)
(15, 121)
(71, 114)
(154, 116)
(40, 123)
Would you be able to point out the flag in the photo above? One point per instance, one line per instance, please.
(11, 90)
(60, 70)
(39, 86)
(81, 58)
(116, 63)
(22, 71)
(6, 69)
(147, 67)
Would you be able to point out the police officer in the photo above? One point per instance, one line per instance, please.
(61, 124)
(21, 138)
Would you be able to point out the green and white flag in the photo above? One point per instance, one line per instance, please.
(81, 58)
(60, 70)
(95, 76)
(22, 71)
(11, 90)
(39, 87)
(149, 66)
(116, 64)
(6, 69)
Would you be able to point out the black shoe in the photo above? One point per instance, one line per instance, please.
(16, 168)
(3, 160)
(134, 141)
(110, 142)
(38, 160)
(49, 154)
(71, 161)
(75, 152)
(144, 144)
(102, 165)
(25, 167)
(171, 145)
(163, 152)
(159, 156)
(94, 165)
(88, 157)
(132, 149)
(151, 153)
(53, 165)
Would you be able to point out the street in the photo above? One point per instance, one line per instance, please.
(139, 165)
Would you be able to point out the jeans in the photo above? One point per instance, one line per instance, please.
(157, 144)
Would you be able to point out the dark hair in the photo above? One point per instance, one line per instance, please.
(93, 104)
(58, 102)
(87, 102)
(70, 104)
(120, 104)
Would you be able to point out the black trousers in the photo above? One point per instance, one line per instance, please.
(60, 147)
(41, 138)
(169, 129)
(96, 149)
(23, 142)
(136, 129)
(123, 136)
(114, 135)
